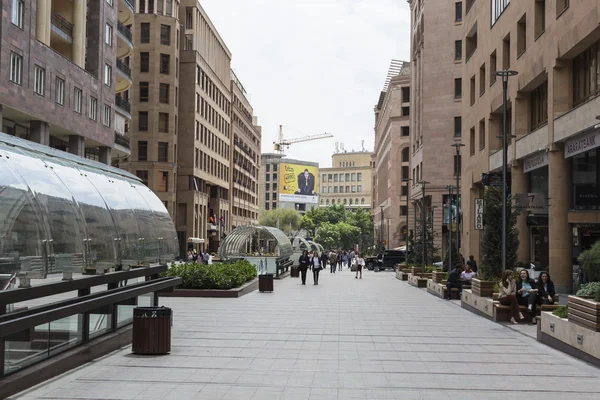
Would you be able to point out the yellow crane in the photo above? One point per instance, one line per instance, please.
(281, 142)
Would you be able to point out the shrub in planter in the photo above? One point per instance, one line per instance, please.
(215, 276)
(590, 260)
(591, 289)
(561, 311)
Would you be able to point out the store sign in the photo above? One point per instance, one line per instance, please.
(532, 202)
(585, 195)
(534, 162)
(478, 214)
(582, 143)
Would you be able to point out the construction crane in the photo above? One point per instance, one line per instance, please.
(279, 145)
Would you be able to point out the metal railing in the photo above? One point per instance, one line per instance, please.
(62, 23)
(125, 31)
(122, 103)
(122, 140)
(124, 68)
(131, 4)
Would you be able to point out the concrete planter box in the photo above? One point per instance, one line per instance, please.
(438, 276)
(482, 288)
(218, 293)
(483, 306)
(416, 270)
(584, 312)
(417, 281)
(573, 339)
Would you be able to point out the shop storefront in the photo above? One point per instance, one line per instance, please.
(535, 204)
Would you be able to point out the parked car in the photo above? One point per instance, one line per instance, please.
(387, 260)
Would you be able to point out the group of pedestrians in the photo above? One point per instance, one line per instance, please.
(202, 258)
(525, 292)
(336, 260)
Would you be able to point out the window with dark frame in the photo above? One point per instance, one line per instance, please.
(472, 141)
(482, 134)
(522, 35)
(143, 121)
(163, 151)
(458, 88)
(143, 175)
(458, 50)
(539, 106)
(164, 93)
(586, 79)
(165, 35)
(561, 6)
(165, 61)
(142, 150)
(457, 126)
(540, 17)
(144, 91)
(144, 32)
(458, 11)
(144, 62)
(163, 122)
(493, 68)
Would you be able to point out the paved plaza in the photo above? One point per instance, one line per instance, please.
(375, 338)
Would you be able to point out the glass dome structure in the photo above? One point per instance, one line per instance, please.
(245, 240)
(58, 210)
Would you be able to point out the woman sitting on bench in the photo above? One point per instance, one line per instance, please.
(527, 292)
(507, 295)
(546, 290)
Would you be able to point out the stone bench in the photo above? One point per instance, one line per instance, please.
(502, 313)
(441, 290)
(419, 280)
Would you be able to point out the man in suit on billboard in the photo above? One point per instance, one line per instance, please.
(306, 184)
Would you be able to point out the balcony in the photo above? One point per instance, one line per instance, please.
(124, 81)
(61, 27)
(123, 104)
(122, 140)
(126, 10)
(124, 41)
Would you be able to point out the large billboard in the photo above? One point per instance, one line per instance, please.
(298, 183)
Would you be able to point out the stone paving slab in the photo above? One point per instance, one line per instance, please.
(375, 338)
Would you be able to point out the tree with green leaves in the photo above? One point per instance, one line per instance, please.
(491, 262)
(415, 242)
(287, 220)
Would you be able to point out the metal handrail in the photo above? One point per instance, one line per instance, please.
(125, 31)
(122, 103)
(62, 23)
(124, 68)
(131, 4)
(122, 140)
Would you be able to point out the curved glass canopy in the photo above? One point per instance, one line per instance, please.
(247, 240)
(58, 210)
(300, 244)
(314, 246)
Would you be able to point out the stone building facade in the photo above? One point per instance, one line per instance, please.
(553, 129)
(348, 181)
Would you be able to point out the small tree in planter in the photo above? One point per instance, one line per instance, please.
(590, 259)
(456, 260)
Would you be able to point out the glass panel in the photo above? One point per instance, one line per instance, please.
(146, 300)
(57, 206)
(99, 324)
(65, 333)
(124, 314)
(28, 348)
(585, 182)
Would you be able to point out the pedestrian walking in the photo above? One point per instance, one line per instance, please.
(304, 263)
(332, 261)
(360, 262)
(324, 259)
(339, 260)
(315, 264)
(345, 259)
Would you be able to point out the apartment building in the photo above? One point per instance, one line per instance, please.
(62, 62)
(436, 96)
(391, 157)
(553, 130)
(246, 157)
(348, 181)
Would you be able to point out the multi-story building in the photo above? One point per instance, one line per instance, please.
(391, 158)
(62, 63)
(436, 92)
(246, 157)
(552, 126)
(348, 181)
(183, 144)
(272, 180)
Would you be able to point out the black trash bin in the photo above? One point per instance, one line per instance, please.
(152, 330)
(265, 283)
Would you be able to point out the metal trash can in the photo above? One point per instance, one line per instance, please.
(265, 283)
(152, 330)
(295, 272)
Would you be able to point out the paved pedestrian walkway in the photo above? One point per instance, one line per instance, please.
(375, 338)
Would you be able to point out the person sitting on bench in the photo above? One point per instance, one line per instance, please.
(527, 292)
(507, 295)
(454, 281)
(467, 275)
(546, 290)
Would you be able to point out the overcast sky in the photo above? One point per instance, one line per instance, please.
(313, 66)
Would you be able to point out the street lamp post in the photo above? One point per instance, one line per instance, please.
(388, 239)
(406, 238)
(381, 229)
(423, 223)
(457, 146)
(504, 74)
(449, 227)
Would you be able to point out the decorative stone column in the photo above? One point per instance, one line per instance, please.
(105, 155)
(43, 21)
(77, 145)
(561, 265)
(79, 31)
(520, 184)
(39, 132)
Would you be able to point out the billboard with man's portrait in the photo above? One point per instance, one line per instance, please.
(298, 183)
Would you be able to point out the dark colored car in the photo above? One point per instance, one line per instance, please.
(387, 260)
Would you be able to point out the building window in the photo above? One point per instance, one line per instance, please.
(59, 91)
(107, 75)
(585, 173)
(165, 60)
(165, 35)
(163, 181)
(143, 175)
(458, 11)
(93, 111)
(498, 7)
(457, 126)
(151, 6)
(108, 33)
(506, 52)
(405, 156)
(472, 141)
(403, 210)
(145, 32)
(144, 62)
(493, 68)
(561, 6)
(522, 35)
(18, 12)
(405, 111)
(457, 88)
(458, 50)
(77, 100)
(163, 122)
(482, 134)
(16, 68)
(143, 121)
(539, 106)
(267, 196)
(169, 8)
(472, 91)
(586, 76)
(482, 80)
(406, 95)
(106, 116)
(39, 78)
(163, 151)
(540, 17)
(142, 150)
(457, 165)
(144, 92)
(110, 2)
(359, 176)
(164, 93)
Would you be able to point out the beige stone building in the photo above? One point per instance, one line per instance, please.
(391, 157)
(62, 62)
(348, 181)
(190, 142)
(436, 94)
(552, 108)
